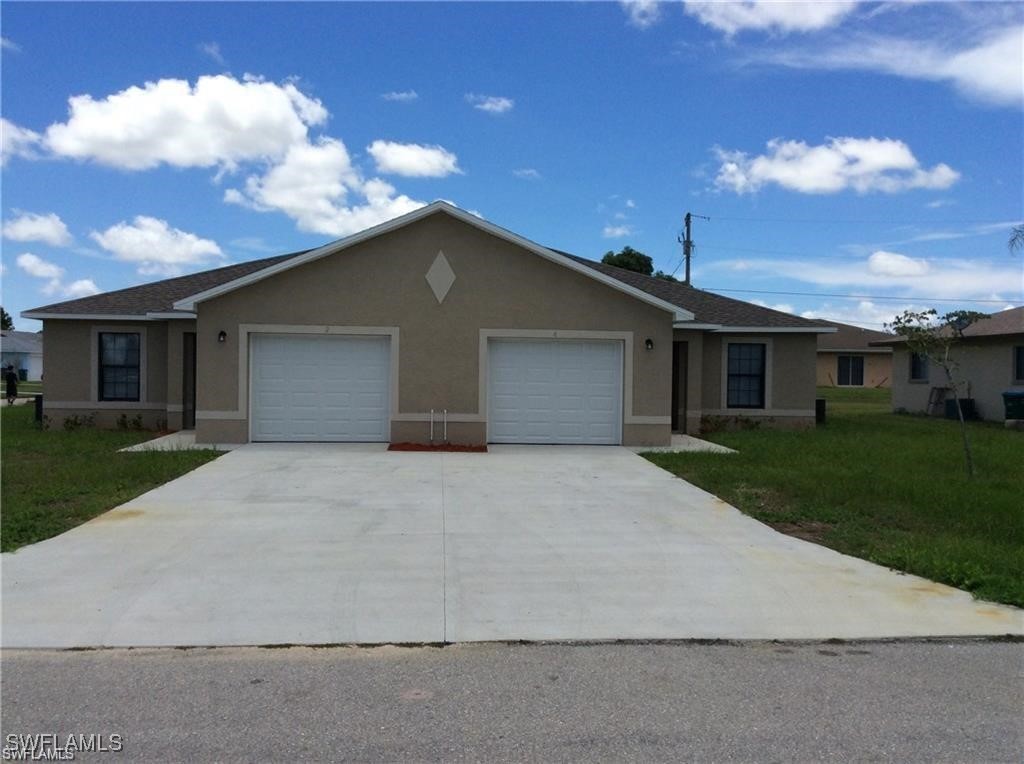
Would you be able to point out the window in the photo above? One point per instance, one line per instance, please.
(851, 370)
(918, 367)
(119, 366)
(746, 376)
(1018, 364)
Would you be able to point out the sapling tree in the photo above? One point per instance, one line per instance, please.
(932, 336)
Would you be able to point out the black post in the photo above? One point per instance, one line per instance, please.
(687, 248)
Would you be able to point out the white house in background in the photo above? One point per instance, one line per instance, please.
(990, 358)
(23, 350)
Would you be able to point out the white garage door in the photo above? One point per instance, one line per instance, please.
(555, 391)
(315, 387)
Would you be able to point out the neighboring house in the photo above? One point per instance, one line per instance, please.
(990, 359)
(24, 351)
(436, 322)
(845, 359)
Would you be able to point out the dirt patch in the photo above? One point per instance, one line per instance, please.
(808, 530)
(449, 447)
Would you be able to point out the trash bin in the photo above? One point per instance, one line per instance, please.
(1013, 401)
(39, 408)
(23, 375)
(966, 407)
(819, 410)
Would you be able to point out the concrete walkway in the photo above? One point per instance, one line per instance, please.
(681, 443)
(313, 544)
(182, 440)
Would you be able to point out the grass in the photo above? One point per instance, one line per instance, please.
(26, 389)
(54, 480)
(885, 487)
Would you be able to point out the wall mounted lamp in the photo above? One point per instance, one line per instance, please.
(222, 336)
(649, 343)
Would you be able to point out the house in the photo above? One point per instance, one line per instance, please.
(23, 351)
(436, 325)
(846, 359)
(990, 359)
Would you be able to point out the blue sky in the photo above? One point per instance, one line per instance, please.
(839, 149)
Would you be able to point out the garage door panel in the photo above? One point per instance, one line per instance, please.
(320, 388)
(555, 391)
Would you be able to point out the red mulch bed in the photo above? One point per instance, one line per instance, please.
(438, 447)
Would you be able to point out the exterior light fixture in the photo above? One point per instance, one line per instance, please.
(649, 343)
(222, 336)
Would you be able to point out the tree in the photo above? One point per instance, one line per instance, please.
(6, 322)
(630, 259)
(1016, 241)
(665, 276)
(932, 336)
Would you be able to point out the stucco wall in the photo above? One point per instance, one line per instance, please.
(70, 386)
(987, 364)
(789, 383)
(877, 369)
(381, 283)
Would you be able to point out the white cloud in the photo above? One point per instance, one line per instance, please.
(942, 278)
(986, 68)
(773, 15)
(9, 44)
(642, 13)
(17, 142)
(490, 104)
(401, 96)
(252, 244)
(312, 184)
(631, 204)
(861, 164)
(219, 121)
(616, 231)
(413, 160)
(29, 226)
(939, 203)
(527, 173)
(212, 49)
(36, 266)
(81, 288)
(884, 263)
(863, 313)
(155, 247)
(783, 307)
(53, 274)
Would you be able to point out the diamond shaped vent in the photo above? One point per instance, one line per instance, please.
(440, 277)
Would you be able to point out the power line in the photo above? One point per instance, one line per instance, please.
(859, 296)
(944, 221)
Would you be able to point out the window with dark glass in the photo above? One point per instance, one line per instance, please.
(119, 366)
(746, 376)
(851, 370)
(1018, 363)
(918, 367)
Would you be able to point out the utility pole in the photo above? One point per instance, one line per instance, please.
(687, 243)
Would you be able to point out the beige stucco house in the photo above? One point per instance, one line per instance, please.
(436, 325)
(846, 359)
(990, 359)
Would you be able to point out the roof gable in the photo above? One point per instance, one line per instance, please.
(189, 302)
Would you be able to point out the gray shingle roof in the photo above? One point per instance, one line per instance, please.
(707, 307)
(21, 342)
(158, 296)
(849, 337)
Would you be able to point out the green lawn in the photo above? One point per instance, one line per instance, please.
(885, 487)
(27, 389)
(54, 480)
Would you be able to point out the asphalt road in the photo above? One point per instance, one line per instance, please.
(956, 701)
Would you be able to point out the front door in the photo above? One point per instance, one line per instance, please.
(188, 382)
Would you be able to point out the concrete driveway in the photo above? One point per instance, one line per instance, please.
(317, 544)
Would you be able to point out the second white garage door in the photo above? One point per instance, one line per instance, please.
(320, 388)
(555, 391)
